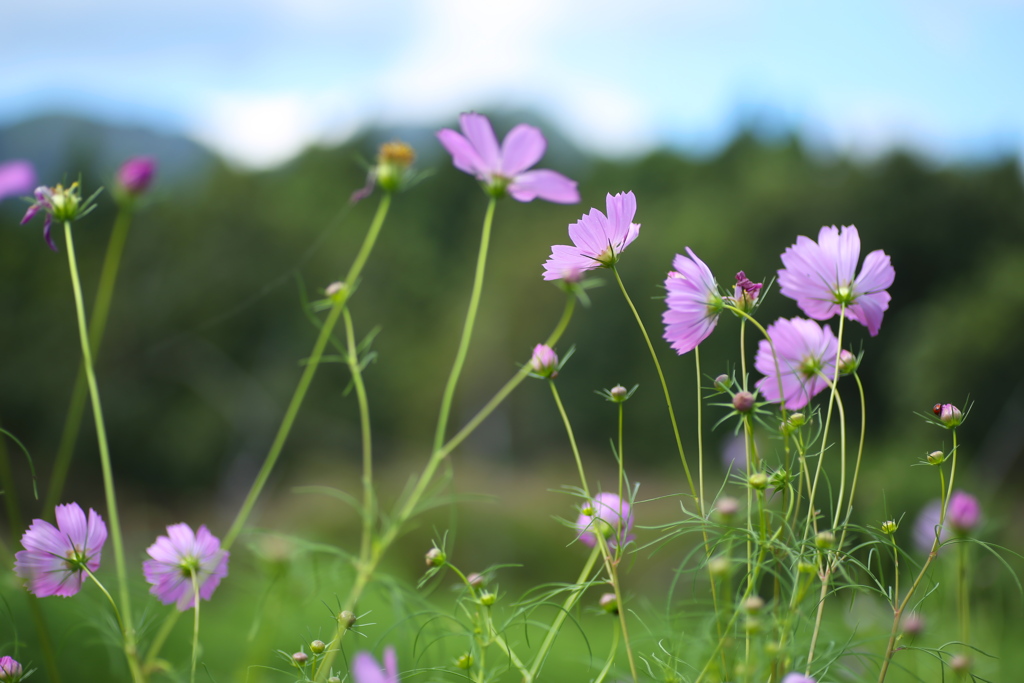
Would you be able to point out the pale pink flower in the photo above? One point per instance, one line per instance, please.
(16, 178)
(55, 559)
(597, 239)
(366, 669)
(610, 515)
(806, 356)
(693, 301)
(10, 670)
(176, 557)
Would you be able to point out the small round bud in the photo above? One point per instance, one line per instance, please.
(719, 566)
(727, 507)
(913, 624)
(753, 604)
(618, 393)
(889, 527)
(435, 557)
(793, 423)
(300, 659)
(825, 540)
(393, 162)
(758, 481)
(544, 361)
(609, 603)
(487, 598)
(848, 362)
(334, 289)
(961, 664)
(347, 619)
(806, 568)
(723, 382)
(135, 175)
(743, 401)
(780, 479)
(10, 669)
(475, 580)
(465, 661)
(936, 458)
(317, 647)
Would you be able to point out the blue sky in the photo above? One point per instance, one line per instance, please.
(259, 80)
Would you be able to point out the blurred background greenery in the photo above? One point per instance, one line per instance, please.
(207, 333)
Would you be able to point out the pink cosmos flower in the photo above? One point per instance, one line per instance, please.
(179, 554)
(544, 361)
(796, 677)
(963, 513)
(806, 356)
(366, 669)
(611, 515)
(54, 560)
(475, 151)
(820, 277)
(16, 178)
(598, 239)
(10, 670)
(136, 175)
(694, 303)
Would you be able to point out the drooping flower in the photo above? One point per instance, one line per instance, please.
(963, 513)
(608, 514)
(598, 239)
(820, 276)
(504, 170)
(366, 669)
(176, 557)
(16, 178)
(135, 175)
(55, 559)
(693, 301)
(806, 356)
(544, 361)
(10, 670)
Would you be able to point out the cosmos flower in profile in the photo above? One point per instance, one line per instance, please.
(179, 555)
(693, 301)
(597, 239)
(55, 559)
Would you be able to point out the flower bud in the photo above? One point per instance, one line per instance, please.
(10, 670)
(752, 625)
(609, 603)
(913, 624)
(719, 567)
(758, 481)
(544, 361)
(618, 393)
(300, 659)
(475, 580)
(848, 362)
(780, 479)
(889, 527)
(347, 619)
(753, 604)
(465, 661)
(743, 401)
(960, 664)
(317, 647)
(334, 289)
(936, 458)
(723, 382)
(393, 162)
(793, 423)
(727, 507)
(333, 679)
(487, 598)
(435, 557)
(949, 415)
(135, 175)
(825, 540)
(806, 568)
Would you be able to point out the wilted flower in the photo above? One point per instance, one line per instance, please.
(693, 301)
(366, 669)
(820, 277)
(745, 293)
(135, 175)
(55, 560)
(10, 670)
(806, 356)
(544, 361)
(60, 204)
(16, 178)
(179, 556)
(598, 239)
(392, 171)
(475, 151)
(963, 513)
(609, 514)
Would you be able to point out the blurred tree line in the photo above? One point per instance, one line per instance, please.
(207, 330)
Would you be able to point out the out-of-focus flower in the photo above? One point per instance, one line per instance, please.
(55, 559)
(598, 239)
(179, 555)
(16, 178)
(820, 276)
(135, 175)
(796, 677)
(504, 170)
(806, 356)
(392, 171)
(608, 514)
(544, 361)
(693, 301)
(366, 669)
(10, 670)
(963, 513)
(924, 526)
(58, 203)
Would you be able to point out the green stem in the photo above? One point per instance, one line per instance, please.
(195, 627)
(108, 475)
(369, 502)
(572, 440)
(467, 328)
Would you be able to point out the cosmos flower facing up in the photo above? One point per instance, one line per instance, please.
(820, 277)
(503, 170)
(176, 557)
(694, 303)
(10, 670)
(611, 515)
(366, 669)
(806, 356)
(55, 559)
(597, 239)
(136, 175)
(16, 178)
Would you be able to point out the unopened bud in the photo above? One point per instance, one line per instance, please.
(300, 659)
(317, 647)
(743, 401)
(753, 604)
(618, 393)
(465, 661)
(333, 679)
(936, 458)
(723, 382)
(758, 481)
(487, 598)
(949, 415)
(334, 289)
(848, 362)
(544, 361)
(825, 540)
(889, 527)
(435, 557)
(719, 566)
(393, 162)
(347, 619)
(136, 174)
(727, 507)
(913, 624)
(961, 664)
(475, 580)
(793, 423)
(609, 603)
(806, 568)
(780, 479)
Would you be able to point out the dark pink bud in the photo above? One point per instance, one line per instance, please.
(743, 401)
(963, 512)
(136, 174)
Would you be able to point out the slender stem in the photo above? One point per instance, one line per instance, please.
(611, 656)
(101, 438)
(195, 626)
(572, 439)
(963, 593)
(467, 328)
(339, 301)
(611, 566)
(100, 312)
(369, 503)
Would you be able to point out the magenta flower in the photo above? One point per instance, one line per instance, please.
(366, 669)
(179, 555)
(820, 277)
(745, 292)
(55, 560)
(609, 514)
(16, 178)
(963, 513)
(503, 170)
(10, 670)
(694, 303)
(544, 361)
(806, 356)
(136, 175)
(598, 239)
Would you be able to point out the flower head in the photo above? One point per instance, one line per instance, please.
(608, 514)
(503, 169)
(16, 178)
(135, 175)
(55, 559)
(694, 303)
(179, 555)
(544, 361)
(806, 356)
(949, 415)
(10, 670)
(392, 172)
(745, 293)
(598, 239)
(63, 204)
(963, 513)
(820, 277)
(366, 669)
